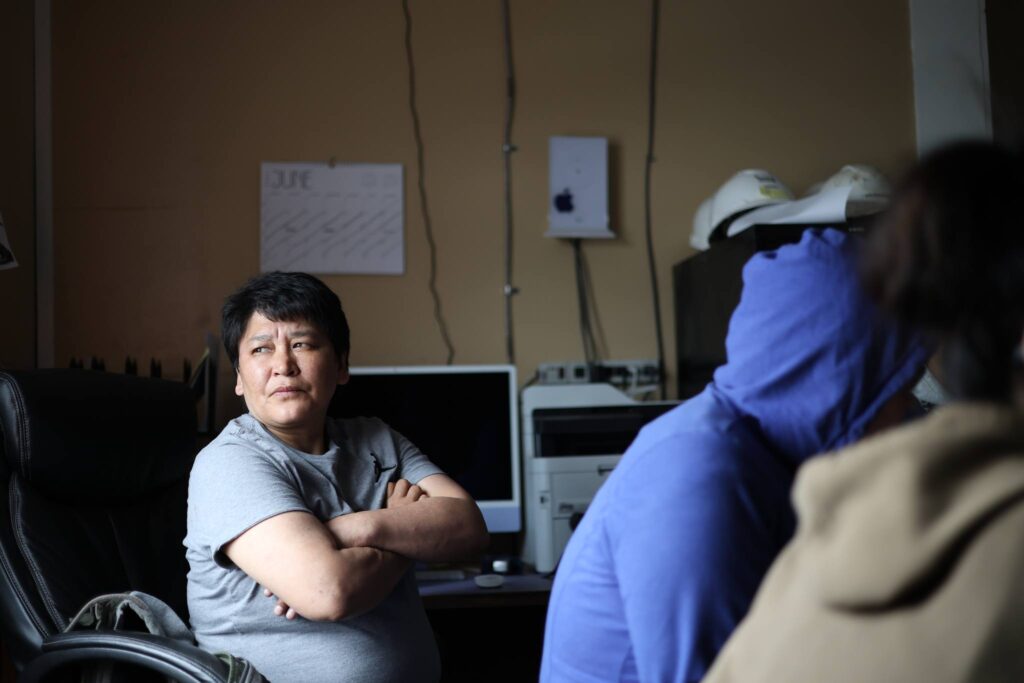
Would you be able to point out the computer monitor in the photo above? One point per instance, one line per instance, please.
(465, 418)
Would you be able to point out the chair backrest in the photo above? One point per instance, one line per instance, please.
(93, 486)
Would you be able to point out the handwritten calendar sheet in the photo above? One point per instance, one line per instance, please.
(328, 219)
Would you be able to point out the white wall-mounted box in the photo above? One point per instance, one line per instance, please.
(578, 188)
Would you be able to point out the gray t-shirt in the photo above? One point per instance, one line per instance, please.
(245, 476)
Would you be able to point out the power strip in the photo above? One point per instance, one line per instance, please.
(632, 376)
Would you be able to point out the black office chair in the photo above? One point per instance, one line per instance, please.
(93, 484)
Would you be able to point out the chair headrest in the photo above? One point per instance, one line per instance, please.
(81, 436)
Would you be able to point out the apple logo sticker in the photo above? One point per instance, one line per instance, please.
(563, 201)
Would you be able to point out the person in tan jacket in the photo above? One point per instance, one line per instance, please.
(908, 561)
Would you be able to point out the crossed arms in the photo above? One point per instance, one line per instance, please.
(346, 566)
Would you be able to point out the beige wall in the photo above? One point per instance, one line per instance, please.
(17, 286)
(163, 112)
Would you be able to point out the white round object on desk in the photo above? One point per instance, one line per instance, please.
(489, 580)
(500, 566)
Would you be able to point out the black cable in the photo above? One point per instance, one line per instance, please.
(438, 315)
(581, 302)
(507, 148)
(588, 326)
(586, 331)
(652, 89)
(593, 320)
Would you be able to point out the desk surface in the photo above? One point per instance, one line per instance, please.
(517, 590)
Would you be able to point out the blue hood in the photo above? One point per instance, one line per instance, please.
(810, 358)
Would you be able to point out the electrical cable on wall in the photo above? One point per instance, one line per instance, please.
(507, 148)
(438, 315)
(652, 89)
(600, 344)
(590, 352)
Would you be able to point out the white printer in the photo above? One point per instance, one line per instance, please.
(573, 437)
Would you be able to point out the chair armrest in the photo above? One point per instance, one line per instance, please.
(177, 660)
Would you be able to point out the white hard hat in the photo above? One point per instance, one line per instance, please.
(746, 190)
(870, 190)
(701, 226)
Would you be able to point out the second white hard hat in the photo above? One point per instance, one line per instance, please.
(870, 190)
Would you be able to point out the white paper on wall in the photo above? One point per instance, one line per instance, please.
(332, 219)
(7, 259)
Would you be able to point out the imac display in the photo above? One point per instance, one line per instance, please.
(465, 418)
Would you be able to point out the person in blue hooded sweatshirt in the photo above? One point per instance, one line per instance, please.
(669, 555)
